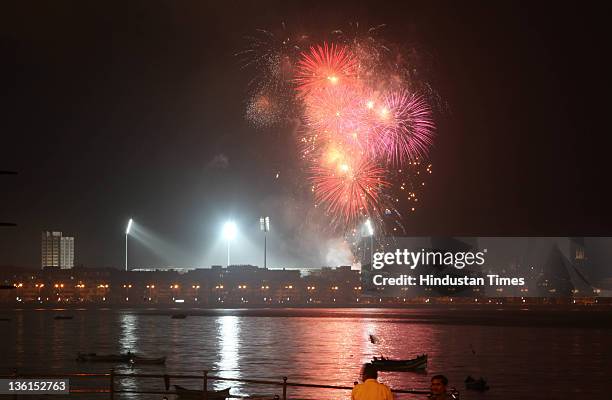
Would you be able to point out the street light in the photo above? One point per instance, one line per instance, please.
(264, 226)
(127, 232)
(229, 233)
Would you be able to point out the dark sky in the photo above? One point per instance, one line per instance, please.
(116, 109)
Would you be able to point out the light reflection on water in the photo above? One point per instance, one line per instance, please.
(228, 336)
(128, 340)
(326, 349)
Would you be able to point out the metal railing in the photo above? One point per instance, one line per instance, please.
(113, 378)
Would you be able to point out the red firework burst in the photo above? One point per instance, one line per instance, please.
(324, 66)
(348, 190)
(334, 110)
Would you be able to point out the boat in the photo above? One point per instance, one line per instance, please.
(63, 317)
(94, 357)
(178, 316)
(418, 363)
(128, 357)
(184, 393)
(476, 384)
(147, 360)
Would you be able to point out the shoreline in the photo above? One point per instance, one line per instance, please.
(490, 315)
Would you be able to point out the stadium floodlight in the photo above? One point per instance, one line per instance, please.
(229, 230)
(264, 226)
(368, 230)
(127, 233)
(229, 233)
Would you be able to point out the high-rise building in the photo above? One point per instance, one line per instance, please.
(57, 250)
(67, 252)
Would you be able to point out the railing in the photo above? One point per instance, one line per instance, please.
(113, 377)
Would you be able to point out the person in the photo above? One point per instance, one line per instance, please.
(438, 388)
(371, 389)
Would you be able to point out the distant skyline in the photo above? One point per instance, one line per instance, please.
(132, 110)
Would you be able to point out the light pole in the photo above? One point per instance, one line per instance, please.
(369, 231)
(229, 233)
(127, 232)
(264, 226)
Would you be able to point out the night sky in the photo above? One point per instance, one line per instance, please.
(136, 109)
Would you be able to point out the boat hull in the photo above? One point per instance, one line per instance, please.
(103, 358)
(149, 361)
(415, 364)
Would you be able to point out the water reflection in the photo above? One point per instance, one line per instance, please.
(325, 347)
(128, 340)
(228, 336)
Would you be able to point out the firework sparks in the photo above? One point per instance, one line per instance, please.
(366, 128)
(265, 109)
(325, 66)
(349, 190)
(405, 128)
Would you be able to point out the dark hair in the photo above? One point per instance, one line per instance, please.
(369, 371)
(440, 377)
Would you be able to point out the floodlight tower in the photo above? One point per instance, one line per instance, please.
(229, 233)
(369, 231)
(127, 233)
(264, 226)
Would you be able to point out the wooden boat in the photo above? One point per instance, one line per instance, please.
(93, 357)
(476, 384)
(178, 316)
(146, 360)
(415, 364)
(184, 393)
(63, 317)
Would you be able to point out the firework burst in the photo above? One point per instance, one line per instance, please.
(404, 128)
(366, 127)
(264, 110)
(334, 109)
(324, 66)
(348, 190)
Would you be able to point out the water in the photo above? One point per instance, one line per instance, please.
(526, 354)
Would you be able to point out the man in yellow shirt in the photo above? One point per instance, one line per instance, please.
(371, 389)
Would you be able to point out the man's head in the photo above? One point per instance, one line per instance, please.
(368, 372)
(438, 384)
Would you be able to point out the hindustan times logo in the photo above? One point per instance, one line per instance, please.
(428, 257)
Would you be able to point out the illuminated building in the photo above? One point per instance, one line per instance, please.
(57, 250)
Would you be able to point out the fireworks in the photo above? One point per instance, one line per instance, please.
(366, 129)
(264, 110)
(404, 128)
(349, 190)
(325, 66)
